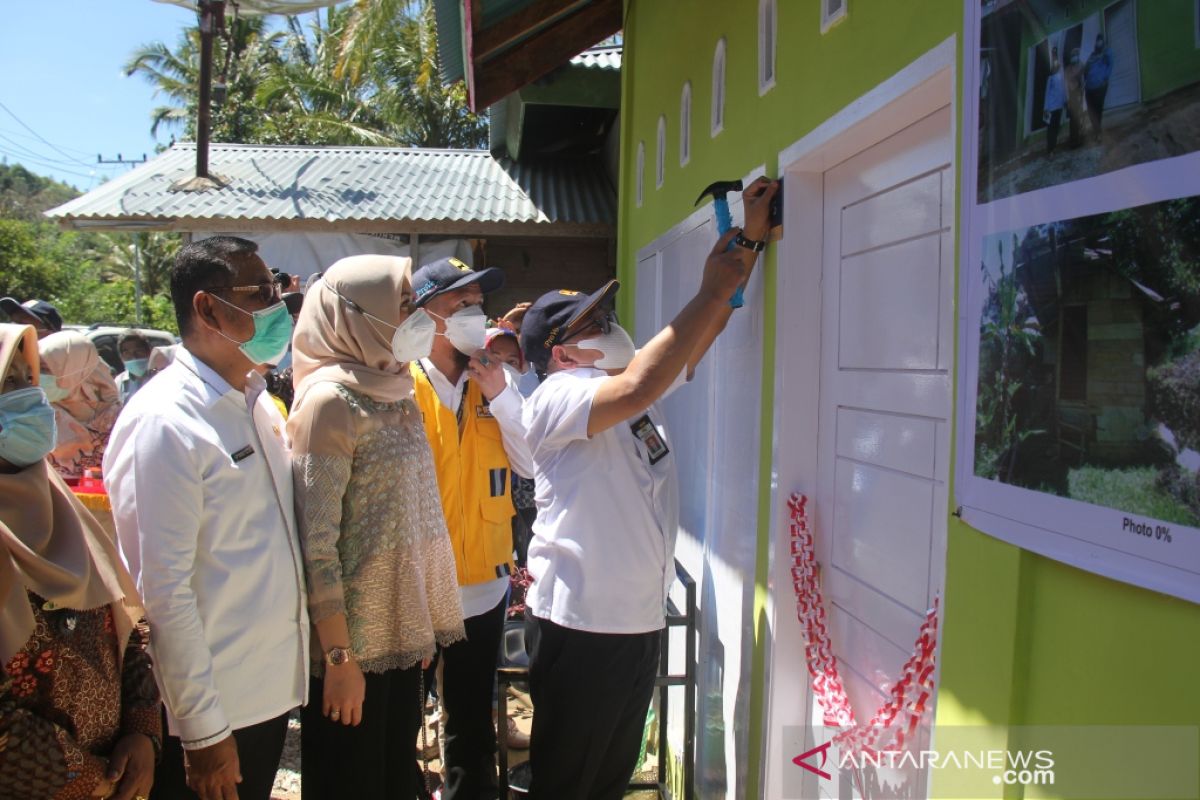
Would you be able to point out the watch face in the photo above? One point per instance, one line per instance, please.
(338, 656)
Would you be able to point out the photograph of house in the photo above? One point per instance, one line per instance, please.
(1072, 89)
(1089, 349)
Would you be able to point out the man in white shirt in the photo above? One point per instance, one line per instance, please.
(602, 555)
(472, 414)
(200, 481)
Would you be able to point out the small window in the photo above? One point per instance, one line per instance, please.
(766, 45)
(641, 172)
(832, 12)
(718, 88)
(685, 124)
(660, 163)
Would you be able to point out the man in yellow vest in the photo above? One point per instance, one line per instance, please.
(472, 412)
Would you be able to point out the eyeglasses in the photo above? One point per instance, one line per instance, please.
(603, 320)
(267, 292)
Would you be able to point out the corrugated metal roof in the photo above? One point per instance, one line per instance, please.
(599, 58)
(347, 184)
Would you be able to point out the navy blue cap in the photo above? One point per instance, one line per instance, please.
(448, 274)
(44, 311)
(555, 315)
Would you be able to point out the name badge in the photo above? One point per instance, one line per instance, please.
(243, 454)
(484, 411)
(648, 435)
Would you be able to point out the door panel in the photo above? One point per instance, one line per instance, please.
(885, 399)
(889, 305)
(1124, 86)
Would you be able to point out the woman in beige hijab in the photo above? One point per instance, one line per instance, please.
(382, 590)
(85, 399)
(79, 711)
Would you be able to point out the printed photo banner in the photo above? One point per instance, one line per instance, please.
(1079, 429)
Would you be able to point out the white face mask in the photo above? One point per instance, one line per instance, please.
(414, 338)
(616, 346)
(466, 329)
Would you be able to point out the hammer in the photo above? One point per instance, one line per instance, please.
(718, 190)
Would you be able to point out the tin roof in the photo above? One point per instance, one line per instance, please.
(355, 188)
(608, 57)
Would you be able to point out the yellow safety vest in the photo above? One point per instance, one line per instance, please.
(473, 475)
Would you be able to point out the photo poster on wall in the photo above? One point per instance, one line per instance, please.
(1079, 374)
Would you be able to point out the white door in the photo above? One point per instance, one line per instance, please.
(1124, 86)
(883, 458)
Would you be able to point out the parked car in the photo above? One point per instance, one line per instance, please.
(105, 337)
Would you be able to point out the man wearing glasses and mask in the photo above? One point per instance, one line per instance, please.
(602, 554)
(200, 479)
(472, 412)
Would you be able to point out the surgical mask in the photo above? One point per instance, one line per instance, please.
(514, 374)
(616, 346)
(27, 428)
(54, 392)
(272, 333)
(137, 366)
(466, 329)
(414, 338)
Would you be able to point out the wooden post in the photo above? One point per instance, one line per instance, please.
(212, 17)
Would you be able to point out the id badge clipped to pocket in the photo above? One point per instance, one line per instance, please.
(650, 438)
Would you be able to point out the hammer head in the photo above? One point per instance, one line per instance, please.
(719, 189)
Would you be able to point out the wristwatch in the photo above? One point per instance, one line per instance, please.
(757, 245)
(336, 656)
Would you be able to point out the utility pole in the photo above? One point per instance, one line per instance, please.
(121, 160)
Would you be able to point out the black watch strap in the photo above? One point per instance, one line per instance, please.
(750, 244)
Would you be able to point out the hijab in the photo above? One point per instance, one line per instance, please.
(86, 415)
(49, 543)
(336, 342)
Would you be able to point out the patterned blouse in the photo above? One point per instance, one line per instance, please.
(64, 703)
(375, 542)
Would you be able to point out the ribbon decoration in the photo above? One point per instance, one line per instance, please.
(907, 701)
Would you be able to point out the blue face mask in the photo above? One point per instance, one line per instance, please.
(272, 333)
(137, 366)
(27, 429)
(54, 392)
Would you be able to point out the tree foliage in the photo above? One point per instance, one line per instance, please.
(362, 74)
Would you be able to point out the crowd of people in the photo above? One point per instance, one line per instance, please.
(319, 503)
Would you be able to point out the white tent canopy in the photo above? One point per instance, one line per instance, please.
(259, 7)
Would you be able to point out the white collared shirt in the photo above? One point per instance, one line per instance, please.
(200, 480)
(603, 549)
(480, 598)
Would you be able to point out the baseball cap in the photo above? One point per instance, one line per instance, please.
(44, 311)
(555, 315)
(447, 274)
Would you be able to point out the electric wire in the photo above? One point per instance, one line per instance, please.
(41, 138)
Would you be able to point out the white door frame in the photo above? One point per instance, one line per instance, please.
(917, 90)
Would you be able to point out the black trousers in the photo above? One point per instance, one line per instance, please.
(373, 760)
(1052, 129)
(590, 695)
(468, 684)
(259, 747)
(1095, 102)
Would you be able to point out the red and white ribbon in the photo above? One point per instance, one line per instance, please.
(909, 698)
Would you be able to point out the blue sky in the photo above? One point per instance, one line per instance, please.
(60, 75)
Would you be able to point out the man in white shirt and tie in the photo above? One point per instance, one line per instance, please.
(200, 480)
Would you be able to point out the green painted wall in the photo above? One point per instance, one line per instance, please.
(1026, 640)
(1167, 46)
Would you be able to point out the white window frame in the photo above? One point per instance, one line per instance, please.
(685, 123)
(660, 160)
(641, 173)
(829, 20)
(718, 87)
(768, 37)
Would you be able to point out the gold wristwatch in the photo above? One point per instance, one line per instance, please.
(336, 656)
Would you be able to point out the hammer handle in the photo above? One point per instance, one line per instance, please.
(724, 223)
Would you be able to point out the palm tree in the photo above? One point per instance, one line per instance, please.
(243, 57)
(122, 256)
